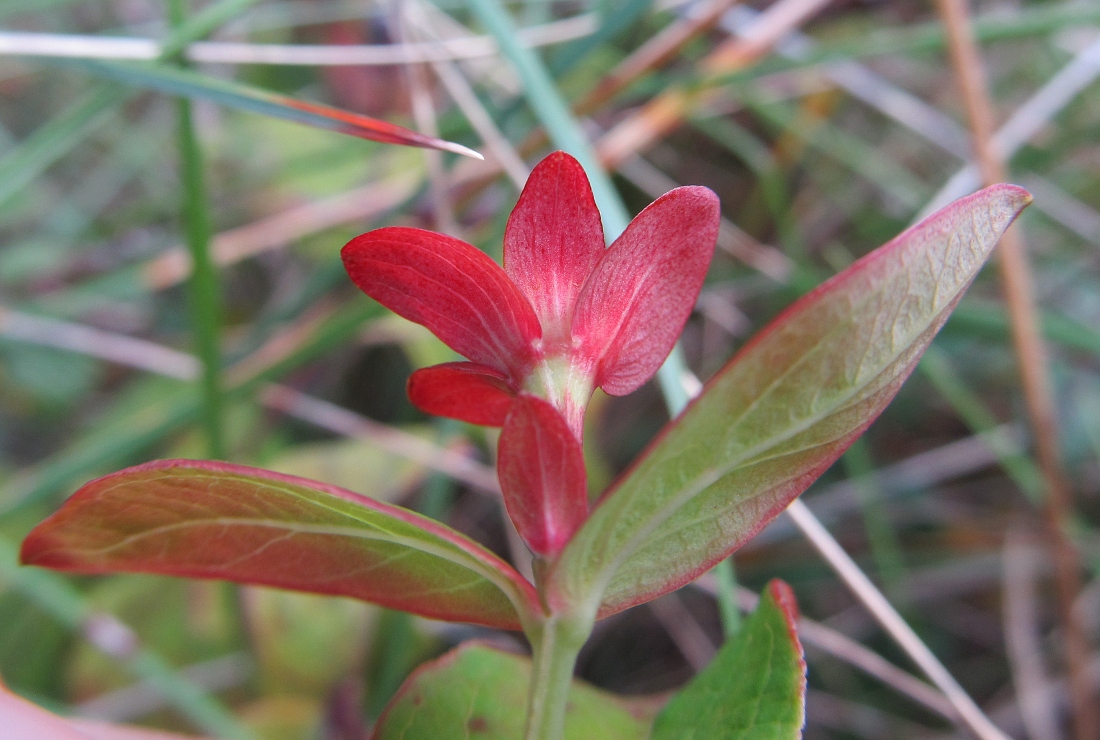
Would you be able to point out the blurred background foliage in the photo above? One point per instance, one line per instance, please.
(820, 150)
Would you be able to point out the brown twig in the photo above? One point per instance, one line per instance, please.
(1030, 348)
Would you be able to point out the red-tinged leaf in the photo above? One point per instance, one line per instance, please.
(452, 288)
(754, 689)
(479, 693)
(191, 84)
(21, 720)
(215, 520)
(638, 298)
(541, 469)
(553, 241)
(365, 127)
(466, 391)
(787, 405)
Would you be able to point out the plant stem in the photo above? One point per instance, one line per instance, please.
(1031, 351)
(726, 579)
(555, 647)
(203, 285)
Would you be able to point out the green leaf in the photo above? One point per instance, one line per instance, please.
(475, 691)
(754, 689)
(215, 520)
(779, 413)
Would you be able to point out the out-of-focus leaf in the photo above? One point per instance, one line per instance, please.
(21, 719)
(305, 644)
(284, 717)
(355, 464)
(476, 691)
(189, 84)
(216, 520)
(183, 621)
(50, 375)
(780, 412)
(754, 689)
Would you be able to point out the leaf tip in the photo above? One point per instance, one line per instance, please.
(465, 151)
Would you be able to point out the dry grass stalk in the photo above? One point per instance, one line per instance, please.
(665, 112)
(1016, 277)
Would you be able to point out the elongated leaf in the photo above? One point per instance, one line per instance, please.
(473, 393)
(475, 691)
(636, 301)
(541, 470)
(754, 689)
(452, 288)
(553, 241)
(189, 84)
(216, 520)
(780, 412)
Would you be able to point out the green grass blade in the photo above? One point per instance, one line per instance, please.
(204, 292)
(53, 140)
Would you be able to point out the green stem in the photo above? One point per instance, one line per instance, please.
(728, 610)
(203, 283)
(555, 646)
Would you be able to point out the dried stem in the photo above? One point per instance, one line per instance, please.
(1016, 279)
(860, 585)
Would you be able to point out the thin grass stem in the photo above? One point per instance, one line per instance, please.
(203, 289)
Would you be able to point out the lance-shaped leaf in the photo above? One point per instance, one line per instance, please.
(787, 405)
(449, 286)
(190, 84)
(636, 301)
(553, 240)
(215, 520)
(541, 469)
(754, 689)
(473, 393)
(475, 691)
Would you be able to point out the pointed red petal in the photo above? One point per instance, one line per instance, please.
(634, 305)
(466, 391)
(553, 240)
(449, 286)
(541, 469)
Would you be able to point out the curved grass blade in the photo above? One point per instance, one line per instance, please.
(215, 520)
(780, 412)
(754, 689)
(189, 84)
(476, 691)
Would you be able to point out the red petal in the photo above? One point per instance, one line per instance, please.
(634, 305)
(452, 288)
(541, 469)
(466, 391)
(553, 240)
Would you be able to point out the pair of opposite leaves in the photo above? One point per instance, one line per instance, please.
(780, 412)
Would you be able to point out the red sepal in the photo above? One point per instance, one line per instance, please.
(553, 240)
(466, 391)
(638, 298)
(541, 470)
(452, 288)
